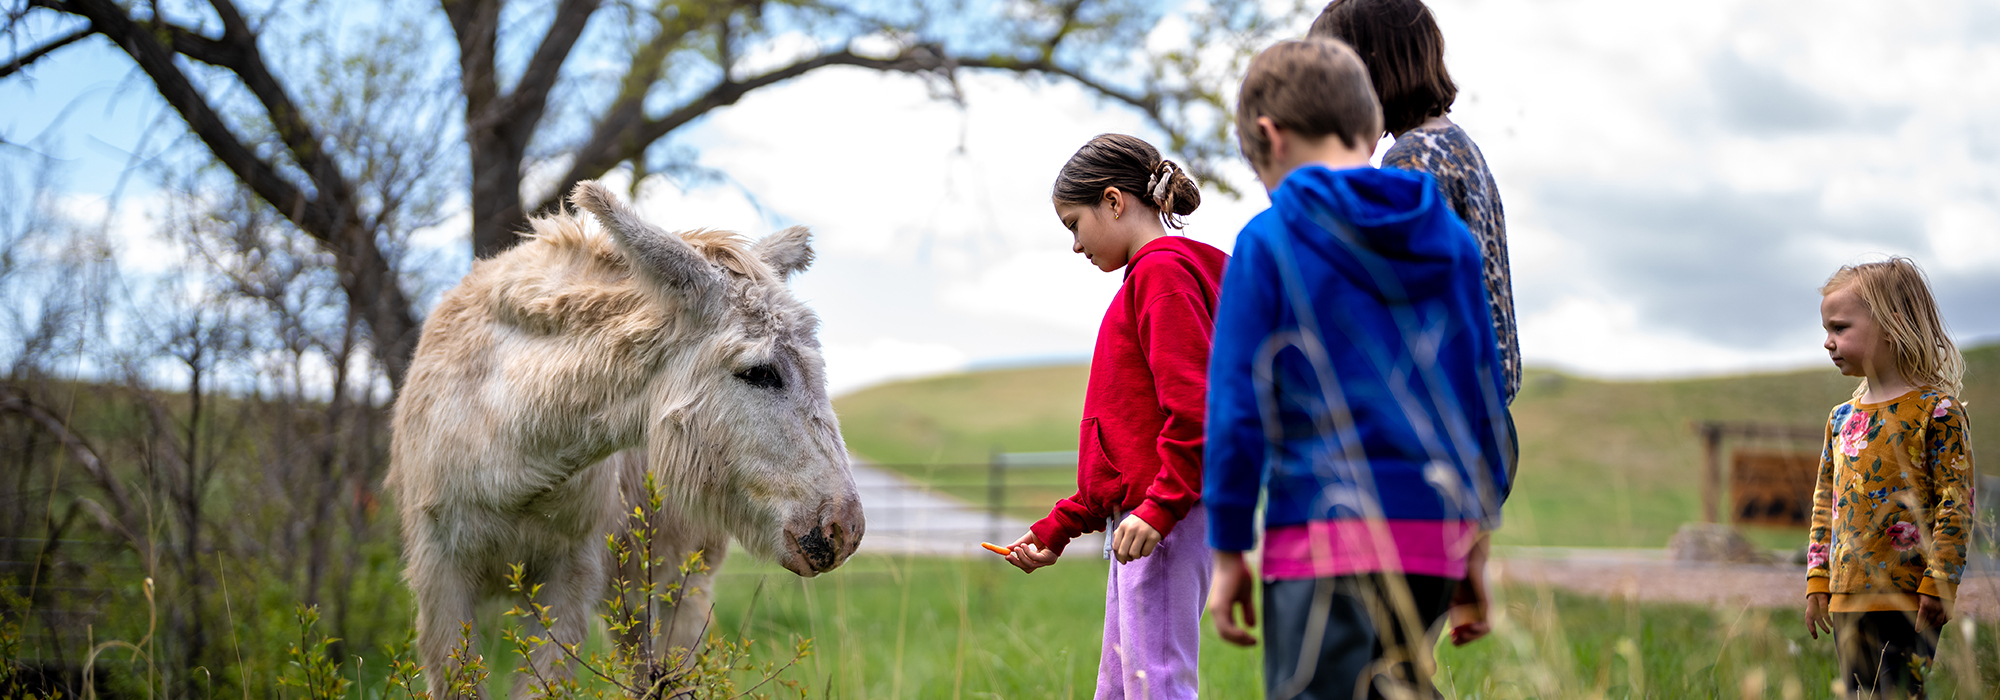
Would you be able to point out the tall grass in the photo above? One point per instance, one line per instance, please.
(906, 627)
(623, 655)
(1553, 644)
(912, 627)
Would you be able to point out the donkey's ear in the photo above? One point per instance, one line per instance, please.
(789, 251)
(658, 254)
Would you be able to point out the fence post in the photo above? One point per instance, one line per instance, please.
(1711, 483)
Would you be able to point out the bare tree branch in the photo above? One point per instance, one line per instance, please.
(301, 139)
(530, 96)
(624, 135)
(327, 214)
(476, 24)
(344, 212)
(23, 60)
(499, 125)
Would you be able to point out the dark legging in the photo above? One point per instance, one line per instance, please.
(1369, 636)
(1883, 654)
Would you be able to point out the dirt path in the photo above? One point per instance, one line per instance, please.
(1649, 575)
(905, 517)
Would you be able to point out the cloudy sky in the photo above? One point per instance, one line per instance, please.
(1678, 179)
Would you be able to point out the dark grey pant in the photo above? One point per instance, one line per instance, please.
(1351, 636)
(1882, 654)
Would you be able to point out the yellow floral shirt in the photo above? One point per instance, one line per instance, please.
(1890, 511)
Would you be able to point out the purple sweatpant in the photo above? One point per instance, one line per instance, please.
(1152, 618)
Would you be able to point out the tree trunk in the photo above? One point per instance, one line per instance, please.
(497, 219)
(374, 289)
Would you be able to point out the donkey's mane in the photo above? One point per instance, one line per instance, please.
(569, 275)
(576, 233)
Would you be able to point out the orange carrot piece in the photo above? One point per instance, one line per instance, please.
(994, 548)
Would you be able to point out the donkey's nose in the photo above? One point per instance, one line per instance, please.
(829, 543)
(821, 546)
(848, 519)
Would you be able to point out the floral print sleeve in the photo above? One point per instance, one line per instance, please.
(1820, 542)
(1949, 461)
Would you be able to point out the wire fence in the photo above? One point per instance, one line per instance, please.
(949, 508)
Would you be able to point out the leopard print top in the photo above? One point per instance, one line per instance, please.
(1449, 155)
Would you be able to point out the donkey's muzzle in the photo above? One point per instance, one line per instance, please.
(828, 543)
(819, 549)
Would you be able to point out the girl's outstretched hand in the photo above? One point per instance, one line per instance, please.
(1134, 539)
(1232, 587)
(1028, 555)
(1817, 618)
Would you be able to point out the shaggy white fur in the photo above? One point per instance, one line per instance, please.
(575, 344)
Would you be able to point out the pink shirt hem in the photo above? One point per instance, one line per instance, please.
(1325, 548)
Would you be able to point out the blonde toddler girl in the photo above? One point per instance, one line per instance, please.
(1889, 525)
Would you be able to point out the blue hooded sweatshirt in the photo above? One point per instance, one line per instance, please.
(1354, 373)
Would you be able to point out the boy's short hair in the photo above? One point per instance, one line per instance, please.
(1400, 42)
(1313, 87)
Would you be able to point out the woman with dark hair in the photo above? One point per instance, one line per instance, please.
(1404, 51)
(1139, 449)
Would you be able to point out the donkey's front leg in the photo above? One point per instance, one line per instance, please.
(445, 596)
(570, 592)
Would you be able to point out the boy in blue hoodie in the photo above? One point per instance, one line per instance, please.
(1354, 381)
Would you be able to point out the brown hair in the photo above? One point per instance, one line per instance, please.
(1899, 300)
(1400, 42)
(1314, 88)
(1135, 168)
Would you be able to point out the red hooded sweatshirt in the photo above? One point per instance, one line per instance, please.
(1139, 448)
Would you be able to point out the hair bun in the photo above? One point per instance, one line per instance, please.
(1129, 165)
(1173, 192)
(1160, 181)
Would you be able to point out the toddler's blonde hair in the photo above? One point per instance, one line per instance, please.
(1898, 297)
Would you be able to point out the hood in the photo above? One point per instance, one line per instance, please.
(1398, 239)
(1205, 256)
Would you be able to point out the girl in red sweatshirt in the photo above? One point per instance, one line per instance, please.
(1139, 450)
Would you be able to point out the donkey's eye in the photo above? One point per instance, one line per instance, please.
(762, 377)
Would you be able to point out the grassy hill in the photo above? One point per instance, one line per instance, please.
(963, 418)
(1603, 463)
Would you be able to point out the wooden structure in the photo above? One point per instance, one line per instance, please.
(1767, 473)
(1772, 487)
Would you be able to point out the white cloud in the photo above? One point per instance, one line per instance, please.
(131, 226)
(851, 366)
(1679, 179)
(1054, 287)
(932, 223)
(1966, 235)
(1604, 337)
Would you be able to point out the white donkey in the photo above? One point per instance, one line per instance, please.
(551, 356)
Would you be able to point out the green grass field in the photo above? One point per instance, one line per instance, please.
(1603, 463)
(908, 627)
(935, 628)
